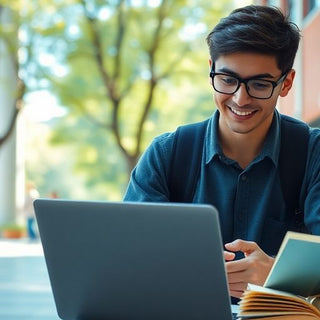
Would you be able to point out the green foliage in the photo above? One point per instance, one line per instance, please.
(125, 71)
(12, 227)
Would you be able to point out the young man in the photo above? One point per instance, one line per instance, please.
(251, 57)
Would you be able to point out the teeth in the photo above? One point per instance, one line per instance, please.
(240, 113)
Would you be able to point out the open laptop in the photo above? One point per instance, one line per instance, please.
(124, 260)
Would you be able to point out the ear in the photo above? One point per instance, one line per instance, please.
(287, 83)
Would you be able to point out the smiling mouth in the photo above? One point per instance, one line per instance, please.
(241, 113)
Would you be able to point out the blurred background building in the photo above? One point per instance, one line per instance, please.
(303, 101)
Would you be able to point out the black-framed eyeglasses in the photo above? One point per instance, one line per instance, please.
(256, 88)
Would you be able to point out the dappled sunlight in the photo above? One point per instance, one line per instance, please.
(99, 87)
(42, 106)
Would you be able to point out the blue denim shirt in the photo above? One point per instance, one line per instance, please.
(249, 201)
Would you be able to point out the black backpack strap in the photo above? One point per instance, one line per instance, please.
(187, 154)
(186, 161)
(292, 162)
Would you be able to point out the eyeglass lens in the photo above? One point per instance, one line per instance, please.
(256, 88)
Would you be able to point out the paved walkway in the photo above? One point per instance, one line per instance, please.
(25, 291)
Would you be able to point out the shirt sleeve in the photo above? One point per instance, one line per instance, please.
(312, 184)
(148, 181)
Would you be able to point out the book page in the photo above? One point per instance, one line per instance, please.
(260, 302)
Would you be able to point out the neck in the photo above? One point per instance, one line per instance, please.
(243, 147)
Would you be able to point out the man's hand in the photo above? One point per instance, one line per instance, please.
(253, 268)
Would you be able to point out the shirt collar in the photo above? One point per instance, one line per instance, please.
(270, 149)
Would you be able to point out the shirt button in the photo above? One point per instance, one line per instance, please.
(243, 177)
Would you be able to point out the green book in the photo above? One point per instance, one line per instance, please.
(297, 265)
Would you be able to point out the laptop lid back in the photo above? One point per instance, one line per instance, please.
(134, 260)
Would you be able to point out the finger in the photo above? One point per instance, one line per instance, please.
(237, 290)
(236, 277)
(241, 245)
(228, 255)
(236, 266)
(239, 286)
(236, 294)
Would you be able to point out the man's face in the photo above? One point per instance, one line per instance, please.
(240, 113)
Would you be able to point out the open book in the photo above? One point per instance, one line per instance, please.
(261, 302)
(292, 289)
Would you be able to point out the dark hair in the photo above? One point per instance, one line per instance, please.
(259, 29)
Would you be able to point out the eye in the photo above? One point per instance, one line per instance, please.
(228, 81)
(260, 85)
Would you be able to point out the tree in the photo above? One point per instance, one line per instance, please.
(8, 32)
(134, 51)
(112, 65)
(21, 40)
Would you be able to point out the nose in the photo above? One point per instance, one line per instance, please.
(241, 96)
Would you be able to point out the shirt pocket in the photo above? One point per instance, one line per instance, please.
(273, 233)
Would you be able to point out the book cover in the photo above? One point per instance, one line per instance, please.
(296, 268)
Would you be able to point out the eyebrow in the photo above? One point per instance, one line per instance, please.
(256, 76)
